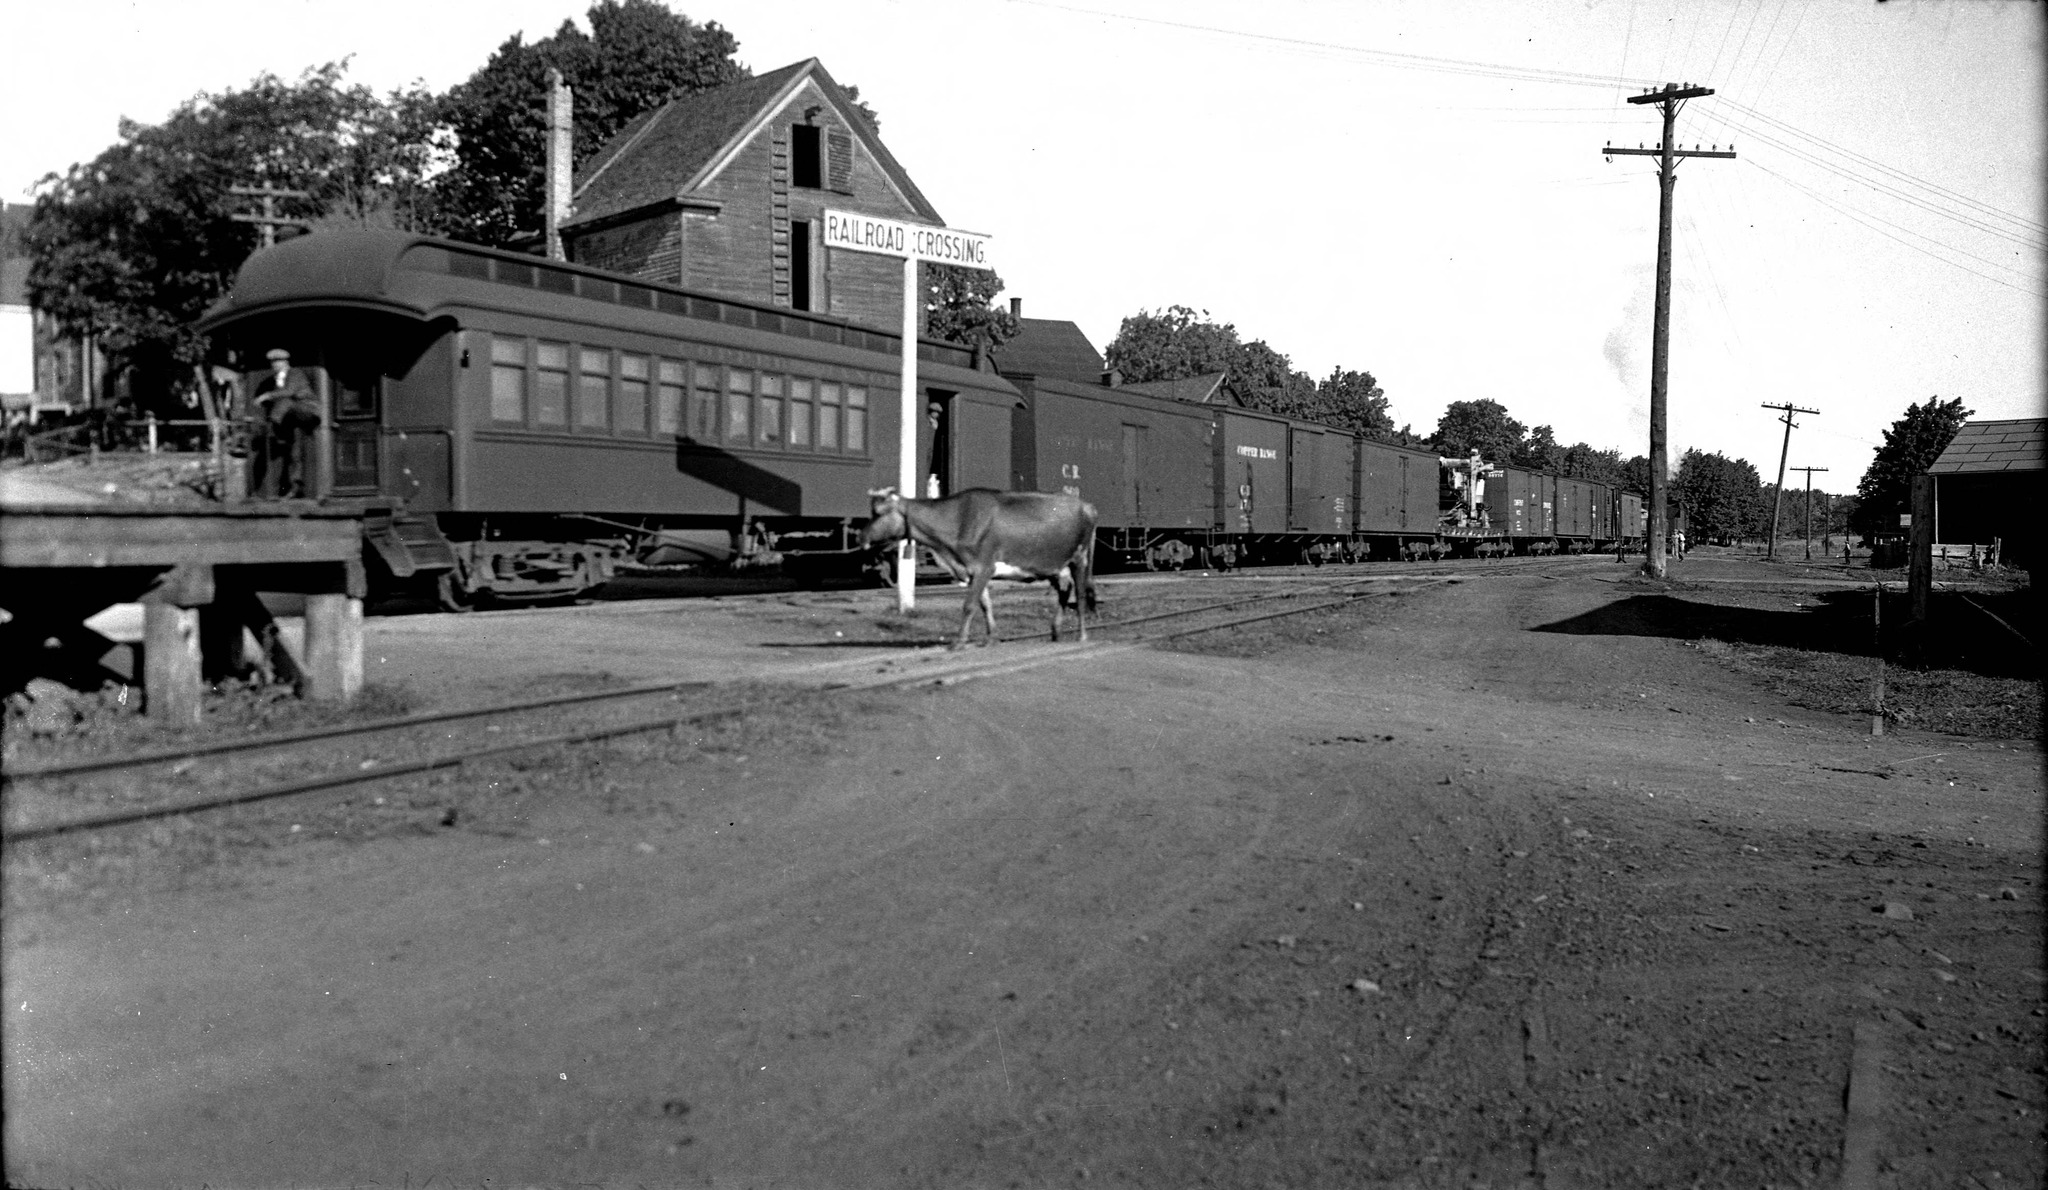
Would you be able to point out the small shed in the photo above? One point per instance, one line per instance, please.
(1987, 490)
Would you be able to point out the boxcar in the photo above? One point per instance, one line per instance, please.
(1143, 461)
(518, 427)
(1398, 495)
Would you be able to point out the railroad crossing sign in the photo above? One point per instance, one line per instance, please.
(912, 242)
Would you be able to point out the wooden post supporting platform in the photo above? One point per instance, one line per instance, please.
(170, 662)
(334, 648)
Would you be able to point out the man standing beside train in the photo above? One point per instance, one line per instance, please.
(286, 413)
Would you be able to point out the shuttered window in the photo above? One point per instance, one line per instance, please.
(839, 167)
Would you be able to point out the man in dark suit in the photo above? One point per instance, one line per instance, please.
(287, 411)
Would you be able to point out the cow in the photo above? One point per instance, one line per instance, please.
(981, 534)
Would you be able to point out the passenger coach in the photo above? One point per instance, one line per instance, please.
(518, 427)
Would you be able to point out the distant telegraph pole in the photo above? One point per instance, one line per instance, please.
(1668, 100)
(1778, 500)
(269, 220)
(1809, 507)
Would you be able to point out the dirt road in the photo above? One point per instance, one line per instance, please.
(1405, 895)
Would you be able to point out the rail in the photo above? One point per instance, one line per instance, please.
(351, 772)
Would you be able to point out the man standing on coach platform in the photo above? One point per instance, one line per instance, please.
(286, 414)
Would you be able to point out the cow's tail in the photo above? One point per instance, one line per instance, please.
(1084, 564)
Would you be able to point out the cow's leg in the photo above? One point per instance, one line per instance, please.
(1084, 582)
(988, 613)
(977, 590)
(1060, 586)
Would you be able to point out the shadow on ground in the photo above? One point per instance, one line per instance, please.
(1985, 633)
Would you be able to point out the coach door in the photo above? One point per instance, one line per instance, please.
(352, 403)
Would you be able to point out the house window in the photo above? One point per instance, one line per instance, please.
(508, 379)
(593, 388)
(828, 416)
(806, 169)
(739, 402)
(799, 413)
(551, 384)
(799, 264)
(632, 415)
(669, 415)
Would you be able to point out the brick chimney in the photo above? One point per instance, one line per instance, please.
(561, 161)
(1016, 307)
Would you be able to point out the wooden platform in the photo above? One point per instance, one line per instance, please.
(196, 569)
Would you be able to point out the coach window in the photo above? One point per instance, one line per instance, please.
(508, 379)
(768, 412)
(704, 404)
(739, 400)
(669, 412)
(593, 388)
(828, 415)
(632, 415)
(856, 419)
(551, 384)
(799, 413)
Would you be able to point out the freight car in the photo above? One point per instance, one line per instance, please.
(518, 428)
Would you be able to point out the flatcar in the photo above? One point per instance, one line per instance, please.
(518, 428)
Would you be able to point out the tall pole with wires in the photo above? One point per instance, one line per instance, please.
(1785, 452)
(1809, 507)
(1668, 101)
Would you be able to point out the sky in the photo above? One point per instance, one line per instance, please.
(1413, 188)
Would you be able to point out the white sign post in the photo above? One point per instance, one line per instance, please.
(913, 242)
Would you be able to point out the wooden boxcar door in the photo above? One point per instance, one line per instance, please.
(1133, 443)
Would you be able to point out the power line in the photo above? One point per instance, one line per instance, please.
(1865, 220)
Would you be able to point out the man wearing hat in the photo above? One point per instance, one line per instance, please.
(287, 412)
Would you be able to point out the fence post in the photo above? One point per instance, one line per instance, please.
(1920, 567)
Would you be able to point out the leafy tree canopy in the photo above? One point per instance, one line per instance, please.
(1910, 448)
(637, 56)
(1482, 425)
(1179, 342)
(1723, 497)
(133, 245)
(959, 306)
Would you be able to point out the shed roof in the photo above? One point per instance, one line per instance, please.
(1051, 347)
(1197, 390)
(1982, 447)
(678, 147)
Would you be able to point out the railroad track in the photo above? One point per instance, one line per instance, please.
(228, 773)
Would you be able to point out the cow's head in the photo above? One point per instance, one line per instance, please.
(887, 526)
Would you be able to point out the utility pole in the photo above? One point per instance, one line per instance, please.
(1778, 499)
(269, 220)
(1668, 100)
(1809, 507)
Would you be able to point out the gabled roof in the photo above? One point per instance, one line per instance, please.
(1995, 446)
(663, 155)
(1051, 347)
(1196, 390)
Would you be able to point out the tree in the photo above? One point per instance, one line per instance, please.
(1635, 474)
(638, 56)
(1722, 497)
(1482, 425)
(1540, 451)
(1910, 447)
(1354, 401)
(960, 307)
(1582, 461)
(1173, 344)
(132, 246)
